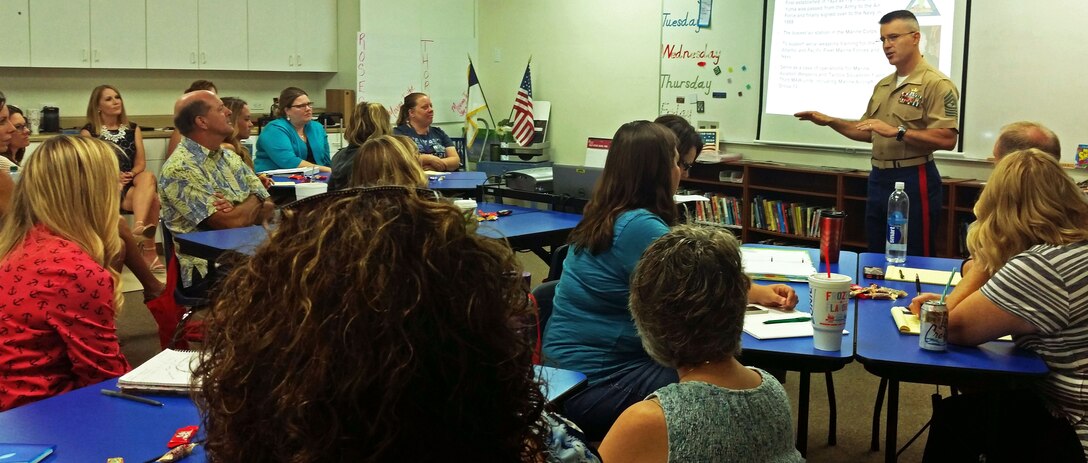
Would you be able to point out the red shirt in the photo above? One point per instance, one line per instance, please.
(56, 320)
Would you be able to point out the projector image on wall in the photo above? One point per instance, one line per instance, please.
(537, 179)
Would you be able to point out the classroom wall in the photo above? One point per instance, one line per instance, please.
(595, 61)
(598, 63)
(154, 91)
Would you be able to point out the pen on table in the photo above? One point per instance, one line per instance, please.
(134, 398)
(787, 320)
(917, 285)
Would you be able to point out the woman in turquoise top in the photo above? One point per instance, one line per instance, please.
(294, 140)
(590, 329)
(720, 410)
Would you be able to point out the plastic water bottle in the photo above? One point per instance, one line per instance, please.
(895, 250)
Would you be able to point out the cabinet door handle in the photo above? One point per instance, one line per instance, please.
(290, 60)
(84, 55)
(298, 60)
(96, 55)
(192, 57)
(203, 57)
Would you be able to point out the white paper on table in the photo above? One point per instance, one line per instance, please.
(294, 170)
(754, 326)
(777, 264)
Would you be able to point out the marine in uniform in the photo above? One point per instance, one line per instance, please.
(912, 113)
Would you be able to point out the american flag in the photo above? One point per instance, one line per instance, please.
(523, 111)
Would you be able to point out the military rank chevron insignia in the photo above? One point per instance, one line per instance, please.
(950, 104)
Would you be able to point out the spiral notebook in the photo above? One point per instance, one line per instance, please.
(777, 264)
(170, 371)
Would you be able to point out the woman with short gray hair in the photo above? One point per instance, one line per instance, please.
(720, 410)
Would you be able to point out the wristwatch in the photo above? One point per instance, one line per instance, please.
(902, 132)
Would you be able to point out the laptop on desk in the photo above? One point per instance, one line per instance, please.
(575, 181)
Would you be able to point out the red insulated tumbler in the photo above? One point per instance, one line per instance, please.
(831, 224)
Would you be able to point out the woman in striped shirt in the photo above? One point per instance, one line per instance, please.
(1029, 278)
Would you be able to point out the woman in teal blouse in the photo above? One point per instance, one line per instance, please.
(294, 140)
(590, 329)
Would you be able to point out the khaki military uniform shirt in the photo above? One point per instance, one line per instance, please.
(926, 100)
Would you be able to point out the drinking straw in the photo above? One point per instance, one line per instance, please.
(827, 265)
(946, 285)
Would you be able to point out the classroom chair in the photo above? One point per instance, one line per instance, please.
(174, 327)
(555, 267)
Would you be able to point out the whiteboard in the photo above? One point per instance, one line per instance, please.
(718, 65)
(1025, 62)
(416, 46)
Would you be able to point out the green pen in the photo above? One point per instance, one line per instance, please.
(787, 320)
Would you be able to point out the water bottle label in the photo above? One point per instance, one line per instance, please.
(895, 234)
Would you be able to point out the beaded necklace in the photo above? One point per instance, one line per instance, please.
(107, 135)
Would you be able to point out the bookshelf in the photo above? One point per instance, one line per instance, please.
(964, 195)
(796, 193)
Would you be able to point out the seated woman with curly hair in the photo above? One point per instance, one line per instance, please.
(374, 325)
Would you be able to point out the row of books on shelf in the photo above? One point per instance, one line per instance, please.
(786, 217)
(720, 210)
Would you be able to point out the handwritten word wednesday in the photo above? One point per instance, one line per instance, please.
(678, 52)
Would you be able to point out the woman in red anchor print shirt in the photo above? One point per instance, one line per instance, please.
(58, 295)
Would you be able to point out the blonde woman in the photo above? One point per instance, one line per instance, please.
(388, 160)
(368, 120)
(1028, 279)
(61, 294)
(108, 120)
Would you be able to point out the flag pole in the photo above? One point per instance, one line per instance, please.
(511, 116)
(482, 94)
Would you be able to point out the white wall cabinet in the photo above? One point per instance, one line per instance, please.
(259, 35)
(60, 33)
(292, 35)
(219, 40)
(118, 34)
(15, 16)
(172, 41)
(88, 33)
(224, 37)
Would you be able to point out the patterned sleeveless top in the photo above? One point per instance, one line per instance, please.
(124, 138)
(711, 423)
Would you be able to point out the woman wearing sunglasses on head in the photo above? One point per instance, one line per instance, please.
(294, 139)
